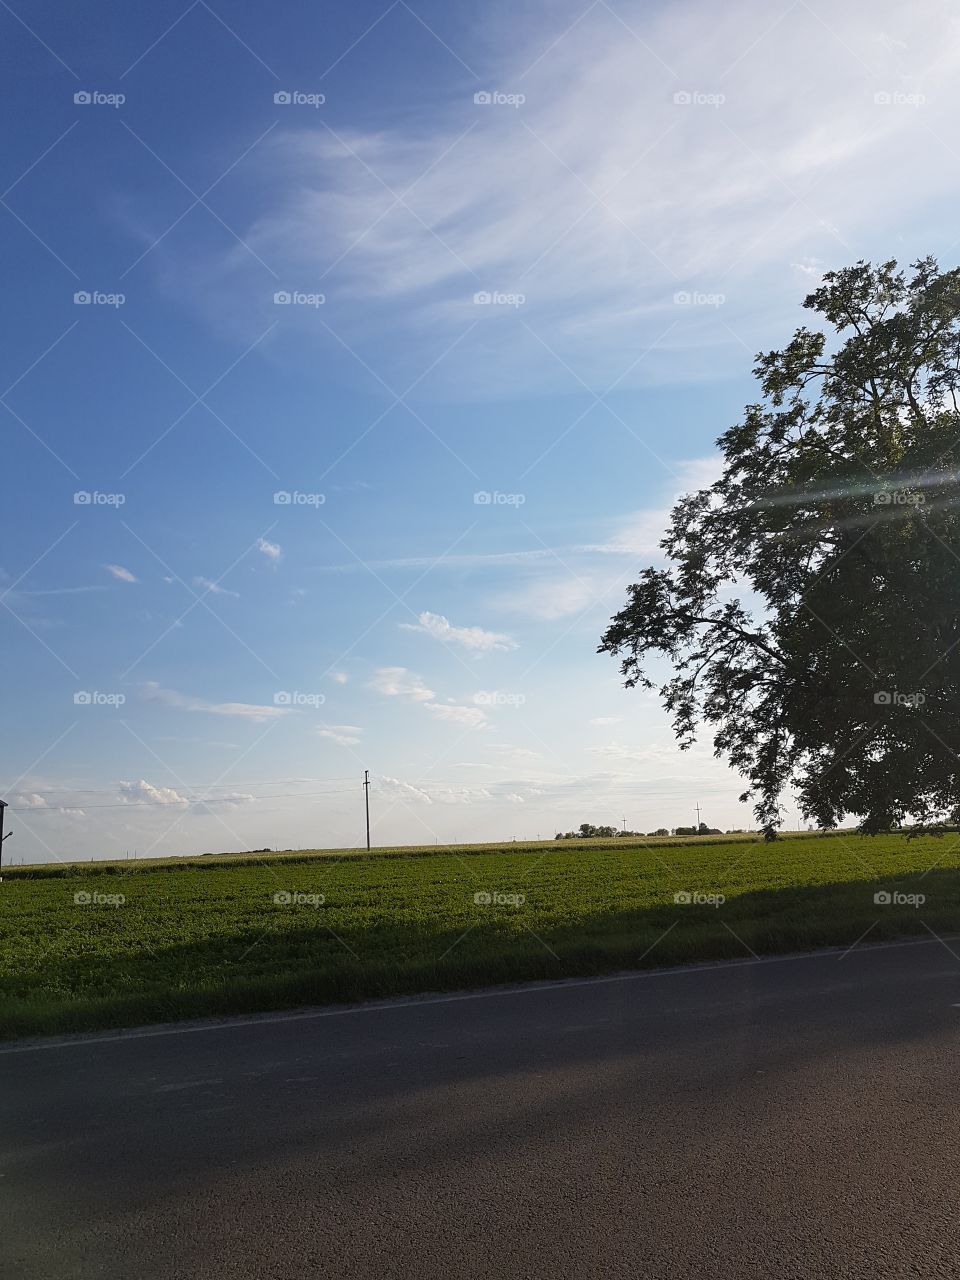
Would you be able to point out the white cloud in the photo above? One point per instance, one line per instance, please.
(811, 268)
(119, 572)
(229, 800)
(633, 755)
(58, 591)
(639, 534)
(270, 549)
(143, 792)
(475, 639)
(339, 677)
(398, 682)
(347, 735)
(557, 595)
(517, 755)
(427, 792)
(697, 473)
(214, 588)
(472, 560)
(473, 717)
(604, 720)
(497, 698)
(601, 197)
(152, 692)
(587, 582)
(31, 799)
(394, 789)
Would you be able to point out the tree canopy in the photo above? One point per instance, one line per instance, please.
(808, 602)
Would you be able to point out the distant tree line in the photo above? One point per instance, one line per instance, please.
(587, 831)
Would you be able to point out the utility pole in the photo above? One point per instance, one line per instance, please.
(623, 823)
(698, 819)
(3, 805)
(366, 793)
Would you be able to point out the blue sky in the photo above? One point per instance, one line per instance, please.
(320, 266)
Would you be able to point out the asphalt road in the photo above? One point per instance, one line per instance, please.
(788, 1118)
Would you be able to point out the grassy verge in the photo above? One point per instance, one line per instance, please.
(118, 944)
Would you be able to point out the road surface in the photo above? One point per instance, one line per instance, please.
(788, 1118)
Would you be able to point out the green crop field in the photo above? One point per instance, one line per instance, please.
(113, 944)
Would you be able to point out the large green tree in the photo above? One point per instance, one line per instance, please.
(809, 607)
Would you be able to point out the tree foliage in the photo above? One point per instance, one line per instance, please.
(587, 831)
(808, 606)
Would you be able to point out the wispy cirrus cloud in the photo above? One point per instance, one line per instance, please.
(471, 560)
(153, 692)
(214, 588)
(558, 582)
(640, 532)
(345, 735)
(428, 792)
(472, 717)
(634, 755)
(557, 594)
(226, 800)
(662, 155)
